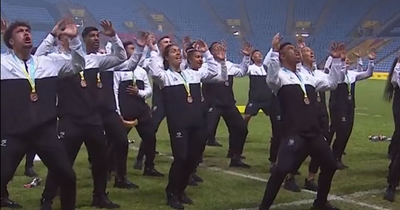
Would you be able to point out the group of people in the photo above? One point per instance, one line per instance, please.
(78, 94)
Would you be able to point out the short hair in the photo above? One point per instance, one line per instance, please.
(283, 45)
(86, 31)
(127, 43)
(163, 37)
(212, 45)
(8, 33)
(252, 53)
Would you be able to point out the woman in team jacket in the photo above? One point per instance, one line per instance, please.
(183, 102)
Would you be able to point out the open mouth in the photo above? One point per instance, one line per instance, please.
(27, 40)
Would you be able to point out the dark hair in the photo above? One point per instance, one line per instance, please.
(165, 54)
(33, 50)
(389, 89)
(189, 52)
(8, 33)
(251, 55)
(212, 45)
(163, 37)
(127, 43)
(86, 31)
(283, 45)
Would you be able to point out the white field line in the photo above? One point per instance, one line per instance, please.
(367, 205)
(345, 198)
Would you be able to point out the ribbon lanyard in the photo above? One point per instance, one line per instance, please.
(347, 81)
(302, 85)
(186, 84)
(29, 73)
(133, 78)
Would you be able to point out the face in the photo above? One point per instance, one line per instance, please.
(195, 60)
(308, 55)
(217, 53)
(290, 55)
(21, 38)
(257, 57)
(164, 43)
(63, 40)
(93, 40)
(129, 50)
(174, 56)
(153, 38)
(347, 61)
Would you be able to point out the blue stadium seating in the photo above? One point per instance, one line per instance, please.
(206, 19)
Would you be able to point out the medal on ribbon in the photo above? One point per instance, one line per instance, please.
(30, 76)
(99, 83)
(83, 81)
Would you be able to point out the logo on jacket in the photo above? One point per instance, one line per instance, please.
(291, 143)
(3, 142)
(178, 135)
(61, 135)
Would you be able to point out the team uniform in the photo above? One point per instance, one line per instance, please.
(80, 122)
(221, 99)
(183, 102)
(28, 90)
(301, 133)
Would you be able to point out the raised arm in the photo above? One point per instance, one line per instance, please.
(273, 79)
(370, 70)
(46, 45)
(325, 82)
(147, 91)
(267, 59)
(117, 81)
(330, 82)
(117, 57)
(239, 70)
(155, 68)
(73, 65)
(210, 68)
(274, 66)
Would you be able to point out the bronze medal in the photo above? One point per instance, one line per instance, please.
(83, 83)
(99, 85)
(349, 97)
(190, 99)
(226, 83)
(306, 101)
(34, 97)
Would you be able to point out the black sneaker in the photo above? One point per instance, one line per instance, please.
(197, 178)
(124, 184)
(183, 198)
(152, 172)
(310, 185)
(291, 185)
(390, 194)
(323, 206)
(8, 203)
(103, 202)
(174, 202)
(138, 164)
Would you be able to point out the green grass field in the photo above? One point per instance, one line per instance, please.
(223, 190)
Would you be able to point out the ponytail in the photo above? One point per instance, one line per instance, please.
(389, 89)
